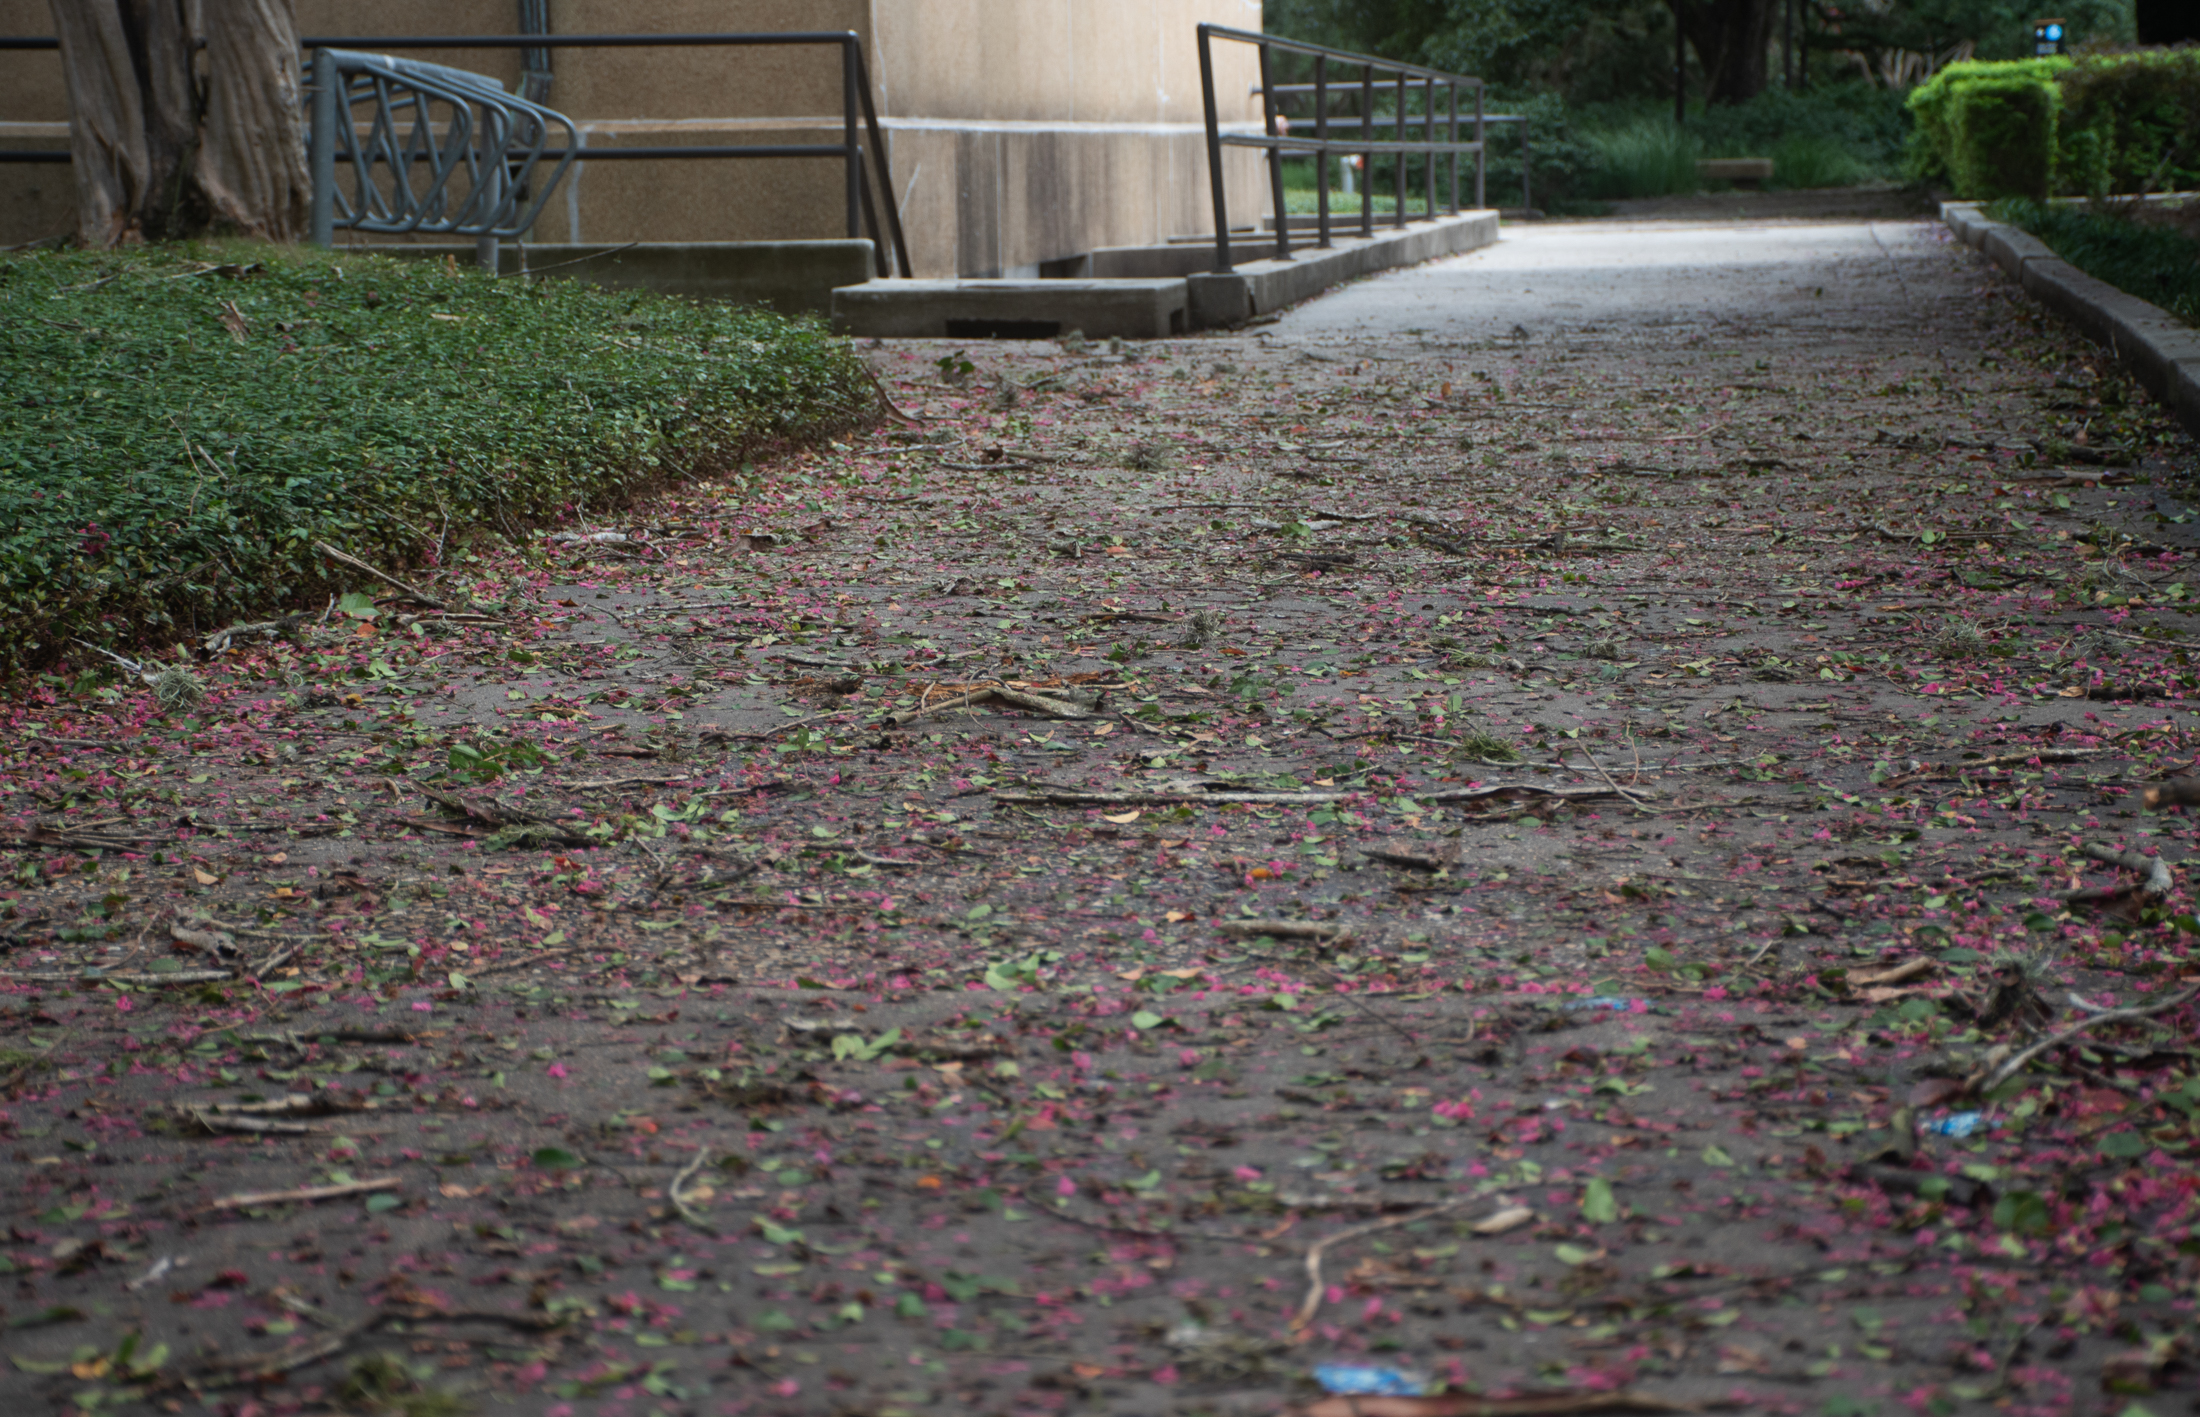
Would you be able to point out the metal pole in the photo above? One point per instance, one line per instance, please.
(1275, 156)
(1454, 137)
(1482, 151)
(1367, 159)
(1214, 150)
(1527, 200)
(1398, 209)
(1321, 158)
(323, 152)
(1428, 135)
(853, 154)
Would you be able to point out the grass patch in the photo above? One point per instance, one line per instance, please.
(2156, 263)
(1647, 158)
(1811, 160)
(183, 422)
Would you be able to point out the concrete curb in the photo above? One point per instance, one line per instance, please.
(1262, 287)
(2161, 350)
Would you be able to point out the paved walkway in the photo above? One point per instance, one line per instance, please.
(1677, 615)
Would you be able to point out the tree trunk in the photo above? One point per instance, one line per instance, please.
(161, 152)
(1732, 40)
(252, 165)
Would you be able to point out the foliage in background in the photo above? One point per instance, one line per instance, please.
(183, 422)
(1649, 157)
(2155, 263)
(1602, 51)
(2131, 122)
(1984, 29)
(2096, 124)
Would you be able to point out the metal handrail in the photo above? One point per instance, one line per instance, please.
(1276, 140)
(855, 99)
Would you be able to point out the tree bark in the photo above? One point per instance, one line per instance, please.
(133, 114)
(161, 152)
(1732, 40)
(252, 165)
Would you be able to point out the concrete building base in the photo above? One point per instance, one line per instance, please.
(792, 277)
(1011, 309)
(1144, 292)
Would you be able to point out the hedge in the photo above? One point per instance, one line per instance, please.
(1990, 127)
(181, 423)
(2089, 126)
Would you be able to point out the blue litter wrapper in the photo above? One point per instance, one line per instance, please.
(1958, 1124)
(1613, 1002)
(1361, 1380)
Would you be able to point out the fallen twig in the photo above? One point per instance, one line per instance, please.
(2016, 1063)
(1287, 929)
(1073, 797)
(358, 565)
(1556, 1404)
(1315, 1252)
(2155, 881)
(680, 1202)
(991, 693)
(305, 1194)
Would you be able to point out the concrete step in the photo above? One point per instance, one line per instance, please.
(1154, 304)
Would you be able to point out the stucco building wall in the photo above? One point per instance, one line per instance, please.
(1019, 132)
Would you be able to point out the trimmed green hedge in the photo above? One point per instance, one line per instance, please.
(2132, 123)
(1990, 127)
(178, 424)
(2096, 125)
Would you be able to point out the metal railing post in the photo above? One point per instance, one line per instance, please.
(1527, 201)
(1451, 134)
(1428, 135)
(1367, 158)
(322, 153)
(1321, 158)
(854, 155)
(1275, 156)
(885, 168)
(1214, 150)
(1404, 185)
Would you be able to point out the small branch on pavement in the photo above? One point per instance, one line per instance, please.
(306, 1194)
(2018, 1062)
(1320, 1248)
(358, 565)
(680, 1202)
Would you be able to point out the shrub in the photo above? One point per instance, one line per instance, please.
(183, 422)
(2132, 122)
(1951, 121)
(1811, 160)
(2002, 136)
(1647, 158)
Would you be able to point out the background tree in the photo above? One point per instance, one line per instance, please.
(1591, 50)
(185, 116)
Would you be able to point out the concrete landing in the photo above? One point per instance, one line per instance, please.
(1264, 286)
(1146, 292)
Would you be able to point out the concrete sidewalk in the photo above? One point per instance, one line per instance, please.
(1570, 742)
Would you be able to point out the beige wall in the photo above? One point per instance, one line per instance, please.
(1019, 131)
